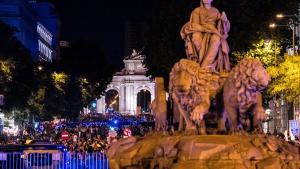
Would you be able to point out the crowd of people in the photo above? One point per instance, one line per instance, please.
(84, 136)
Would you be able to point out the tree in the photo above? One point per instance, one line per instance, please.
(267, 51)
(286, 78)
(36, 101)
(16, 64)
(58, 94)
(85, 59)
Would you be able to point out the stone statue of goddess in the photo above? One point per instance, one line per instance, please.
(205, 38)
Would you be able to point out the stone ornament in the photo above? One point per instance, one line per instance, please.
(201, 85)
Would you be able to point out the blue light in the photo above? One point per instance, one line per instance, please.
(36, 125)
(94, 105)
(115, 121)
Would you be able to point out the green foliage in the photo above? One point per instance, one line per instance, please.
(265, 51)
(36, 101)
(60, 81)
(286, 78)
(19, 116)
(6, 70)
(87, 90)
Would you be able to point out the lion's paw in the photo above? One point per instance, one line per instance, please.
(260, 114)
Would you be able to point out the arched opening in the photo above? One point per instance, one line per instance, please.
(111, 101)
(143, 101)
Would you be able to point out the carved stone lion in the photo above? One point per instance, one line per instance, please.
(192, 88)
(241, 93)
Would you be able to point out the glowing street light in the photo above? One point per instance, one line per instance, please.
(40, 68)
(286, 16)
(292, 26)
(293, 23)
(272, 25)
(280, 16)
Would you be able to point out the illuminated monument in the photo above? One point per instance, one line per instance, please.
(201, 85)
(130, 91)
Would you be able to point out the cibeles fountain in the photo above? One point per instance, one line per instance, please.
(204, 85)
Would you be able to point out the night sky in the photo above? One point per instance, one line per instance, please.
(103, 21)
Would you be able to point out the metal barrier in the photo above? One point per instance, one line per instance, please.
(46, 160)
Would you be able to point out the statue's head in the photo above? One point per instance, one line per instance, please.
(182, 75)
(183, 82)
(262, 78)
(202, 2)
(248, 77)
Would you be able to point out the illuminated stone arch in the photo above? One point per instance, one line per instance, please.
(143, 96)
(112, 99)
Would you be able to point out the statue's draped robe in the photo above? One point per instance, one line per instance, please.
(208, 19)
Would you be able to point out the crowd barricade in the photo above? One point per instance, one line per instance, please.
(52, 160)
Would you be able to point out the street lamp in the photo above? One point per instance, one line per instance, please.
(293, 22)
(292, 26)
(272, 25)
(286, 16)
(40, 68)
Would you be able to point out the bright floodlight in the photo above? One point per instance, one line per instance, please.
(273, 25)
(279, 16)
(40, 68)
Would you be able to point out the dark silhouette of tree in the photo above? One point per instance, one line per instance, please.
(68, 84)
(86, 59)
(17, 89)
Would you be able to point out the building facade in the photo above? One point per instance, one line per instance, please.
(37, 26)
(130, 91)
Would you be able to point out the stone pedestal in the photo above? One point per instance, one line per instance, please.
(204, 151)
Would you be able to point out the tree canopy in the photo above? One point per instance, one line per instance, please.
(267, 51)
(286, 78)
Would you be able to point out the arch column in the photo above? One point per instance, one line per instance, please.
(122, 99)
(101, 105)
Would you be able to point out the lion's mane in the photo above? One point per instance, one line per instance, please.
(243, 77)
(202, 81)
